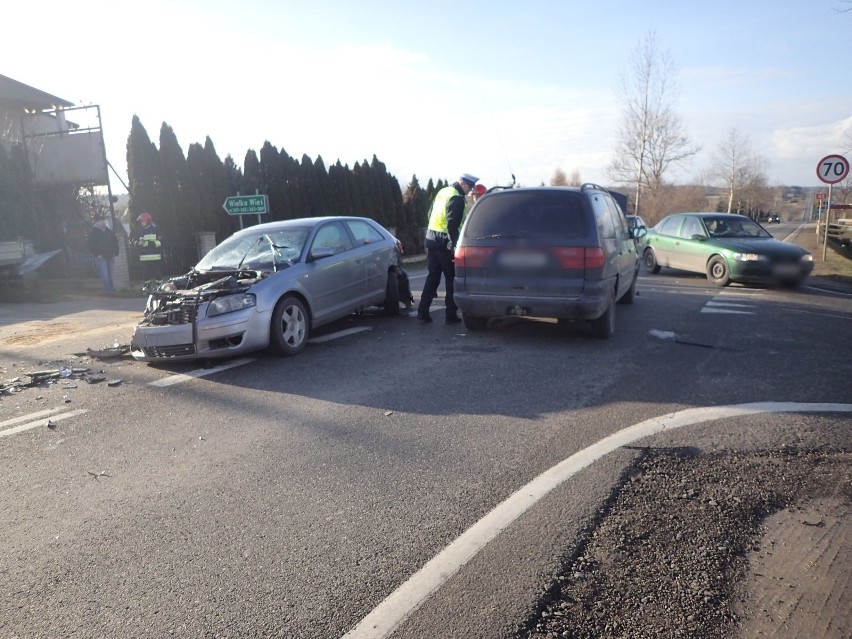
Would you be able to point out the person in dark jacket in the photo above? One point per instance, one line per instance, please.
(442, 235)
(103, 244)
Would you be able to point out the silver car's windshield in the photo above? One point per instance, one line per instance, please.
(261, 250)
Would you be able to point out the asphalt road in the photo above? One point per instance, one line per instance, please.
(292, 497)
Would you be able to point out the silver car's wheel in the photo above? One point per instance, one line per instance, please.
(391, 304)
(289, 330)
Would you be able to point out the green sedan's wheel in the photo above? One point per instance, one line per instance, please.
(718, 272)
(288, 334)
(650, 262)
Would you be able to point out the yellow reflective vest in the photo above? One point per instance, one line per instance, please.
(149, 246)
(438, 215)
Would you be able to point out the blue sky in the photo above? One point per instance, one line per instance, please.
(442, 88)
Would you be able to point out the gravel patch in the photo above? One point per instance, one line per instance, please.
(669, 556)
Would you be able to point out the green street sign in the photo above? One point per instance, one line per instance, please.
(245, 205)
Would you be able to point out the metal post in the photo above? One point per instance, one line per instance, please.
(827, 220)
(819, 217)
(240, 215)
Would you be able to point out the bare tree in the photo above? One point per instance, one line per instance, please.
(559, 178)
(741, 172)
(651, 137)
(843, 190)
(672, 198)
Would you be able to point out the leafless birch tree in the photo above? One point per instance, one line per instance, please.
(651, 137)
(742, 173)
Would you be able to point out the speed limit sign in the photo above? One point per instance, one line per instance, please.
(833, 169)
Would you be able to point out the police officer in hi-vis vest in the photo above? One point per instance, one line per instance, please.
(442, 236)
(150, 247)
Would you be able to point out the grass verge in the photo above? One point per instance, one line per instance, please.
(836, 266)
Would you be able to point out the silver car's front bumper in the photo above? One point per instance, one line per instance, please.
(225, 335)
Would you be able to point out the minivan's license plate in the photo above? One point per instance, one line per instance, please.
(523, 259)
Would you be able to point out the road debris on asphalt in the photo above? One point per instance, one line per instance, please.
(62, 374)
(111, 352)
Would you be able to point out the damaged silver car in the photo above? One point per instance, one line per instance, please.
(269, 286)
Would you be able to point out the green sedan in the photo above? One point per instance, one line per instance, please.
(727, 248)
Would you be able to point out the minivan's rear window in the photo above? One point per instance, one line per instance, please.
(528, 215)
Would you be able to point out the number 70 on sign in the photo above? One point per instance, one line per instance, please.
(833, 169)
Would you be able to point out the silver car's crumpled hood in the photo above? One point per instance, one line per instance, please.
(173, 301)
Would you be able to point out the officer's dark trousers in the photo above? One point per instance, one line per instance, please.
(439, 261)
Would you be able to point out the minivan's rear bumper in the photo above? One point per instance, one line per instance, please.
(591, 305)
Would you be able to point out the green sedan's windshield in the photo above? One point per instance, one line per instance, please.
(733, 227)
(260, 250)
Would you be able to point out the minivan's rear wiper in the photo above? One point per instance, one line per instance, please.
(501, 236)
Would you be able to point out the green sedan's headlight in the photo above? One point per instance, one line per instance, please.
(230, 303)
(807, 257)
(750, 257)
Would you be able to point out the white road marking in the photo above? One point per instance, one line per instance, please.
(201, 372)
(403, 601)
(53, 415)
(727, 307)
(333, 336)
(731, 304)
(826, 290)
(725, 311)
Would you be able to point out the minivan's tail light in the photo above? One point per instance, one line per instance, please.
(573, 258)
(577, 258)
(595, 257)
(472, 256)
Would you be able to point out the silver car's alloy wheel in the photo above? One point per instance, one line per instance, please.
(289, 331)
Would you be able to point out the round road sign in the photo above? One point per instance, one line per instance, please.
(833, 169)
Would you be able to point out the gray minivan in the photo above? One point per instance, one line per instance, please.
(552, 252)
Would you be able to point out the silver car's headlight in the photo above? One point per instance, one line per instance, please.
(750, 257)
(230, 303)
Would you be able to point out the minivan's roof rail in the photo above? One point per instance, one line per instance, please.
(502, 188)
(589, 185)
